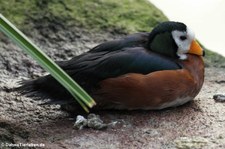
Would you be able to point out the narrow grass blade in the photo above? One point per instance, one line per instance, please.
(49, 65)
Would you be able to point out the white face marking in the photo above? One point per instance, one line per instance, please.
(183, 41)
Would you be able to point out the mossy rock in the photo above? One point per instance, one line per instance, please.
(214, 59)
(125, 16)
(114, 16)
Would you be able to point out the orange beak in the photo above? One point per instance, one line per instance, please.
(196, 49)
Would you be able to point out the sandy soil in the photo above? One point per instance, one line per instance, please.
(198, 124)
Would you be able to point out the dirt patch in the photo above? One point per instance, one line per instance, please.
(198, 124)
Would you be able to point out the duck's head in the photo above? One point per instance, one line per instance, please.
(174, 39)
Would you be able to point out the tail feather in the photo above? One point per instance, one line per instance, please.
(45, 88)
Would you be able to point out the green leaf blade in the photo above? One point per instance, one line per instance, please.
(49, 65)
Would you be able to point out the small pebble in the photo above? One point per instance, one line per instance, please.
(95, 122)
(220, 82)
(219, 98)
(81, 122)
(92, 121)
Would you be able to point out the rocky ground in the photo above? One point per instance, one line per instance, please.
(198, 124)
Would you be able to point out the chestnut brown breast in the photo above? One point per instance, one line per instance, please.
(157, 90)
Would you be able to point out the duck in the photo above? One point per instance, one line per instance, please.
(142, 71)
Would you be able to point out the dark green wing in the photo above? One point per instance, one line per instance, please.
(91, 68)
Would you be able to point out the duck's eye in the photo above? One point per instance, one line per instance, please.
(183, 38)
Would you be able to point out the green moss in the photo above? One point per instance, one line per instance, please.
(16, 11)
(126, 16)
(214, 59)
